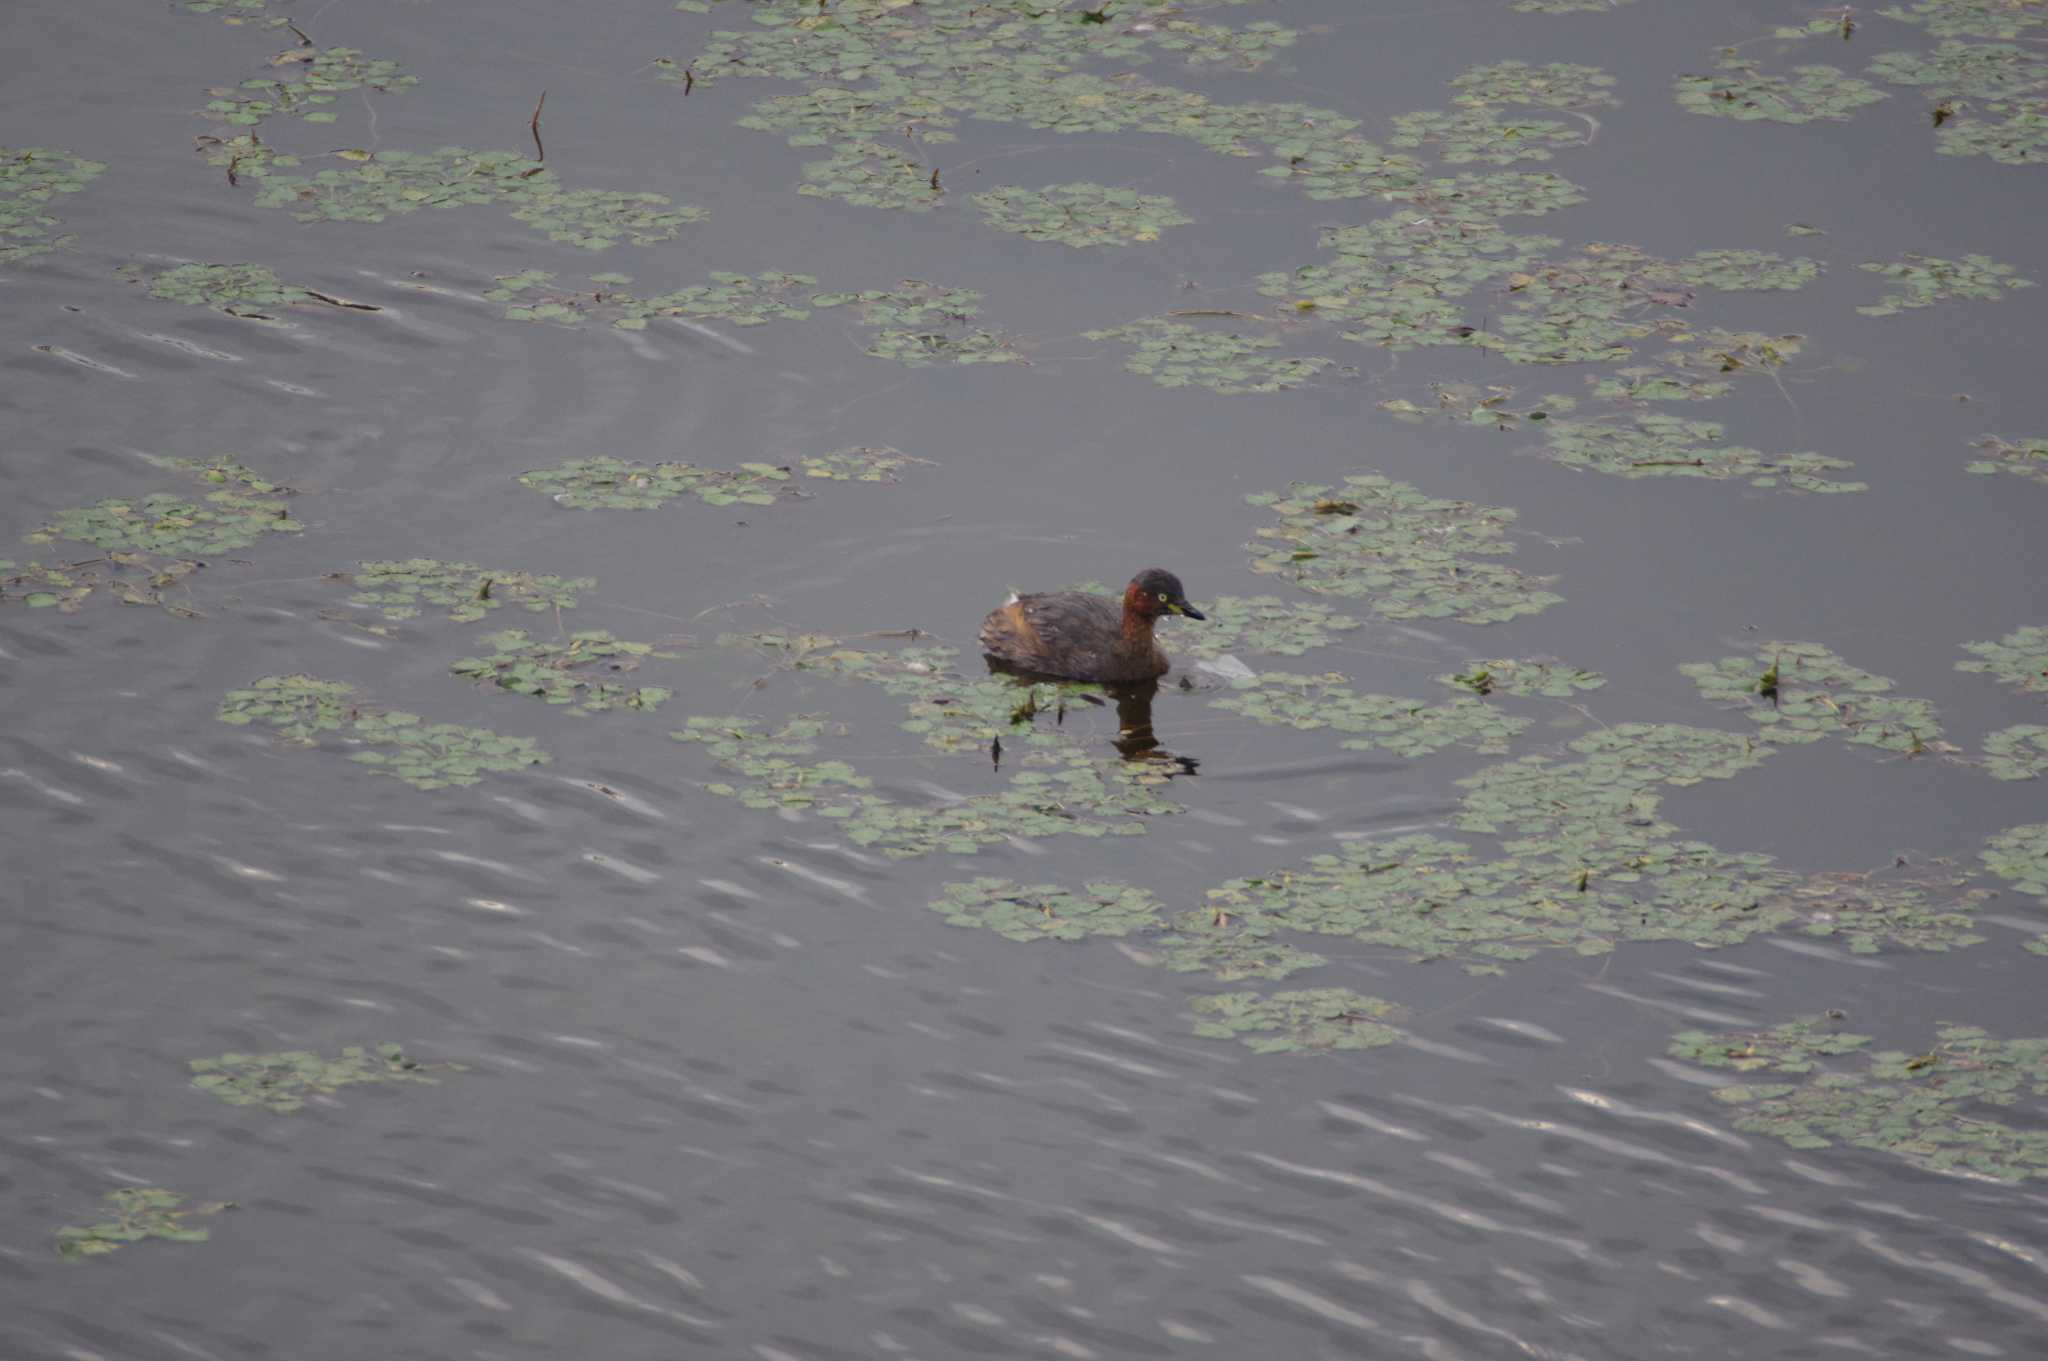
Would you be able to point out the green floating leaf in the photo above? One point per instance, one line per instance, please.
(139, 1212)
(237, 290)
(2017, 753)
(861, 464)
(424, 755)
(398, 589)
(401, 182)
(1928, 1108)
(2020, 855)
(2026, 458)
(1413, 556)
(1742, 90)
(164, 524)
(30, 177)
(1261, 624)
(1552, 680)
(570, 672)
(739, 299)
(2020, 659)
(1080, 214)
(1296, 1022)
(1973, 18)
(1405, 727)
(1788, 1048)
(1923, 281)
(281, 1082)
(1651, 444)
(1177, 354)
(606, 483)
(1802, 692)
(320, 75)
(1047, 911)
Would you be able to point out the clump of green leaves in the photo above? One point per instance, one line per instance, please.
(404, 746)
(1739, 88)
(1305, 1021)
(321, 76)
(1467, 136)
(1701, 369)
(297, 706)
(238, 12)
(397, 590)
(1788, 1048)
(1203, 942)
(863, 463)
(1406, 727)
(139, 1212)
(1260, 623)
(1080, 214)
(2020, 855)
(1413, 556)
(1554, 85)
(742, 300)
(387, 183)
(1922, 281)
(281, 1082)
(1047, 911)
(2017, 753)
(165, 524)
(132, 578)
(1177, 354)
(29, 178)
(1802, 692)
(1932, 1108)
(1652, 444)
(606, 483)
(2026, 458)
(567, 673)
(920, 324)
(2020, 659)
(1551, 680)
(1972, 18)
(238, 290)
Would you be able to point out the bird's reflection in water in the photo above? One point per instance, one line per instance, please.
(1135, 739)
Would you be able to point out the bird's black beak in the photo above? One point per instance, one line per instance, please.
(1182, 607)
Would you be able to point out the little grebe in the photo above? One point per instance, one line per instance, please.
(1086, 637)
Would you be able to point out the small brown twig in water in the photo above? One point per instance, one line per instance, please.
(304, 41)
(1217, 312)
(540, 153)
(689, 81)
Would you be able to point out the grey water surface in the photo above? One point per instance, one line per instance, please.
(728, 1087)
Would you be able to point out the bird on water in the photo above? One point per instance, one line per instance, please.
(1081, 636)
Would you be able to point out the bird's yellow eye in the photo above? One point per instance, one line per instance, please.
(1162, 597)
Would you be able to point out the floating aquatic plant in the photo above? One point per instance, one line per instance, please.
(1466, 136)
(281, 1082)
(424, 755)
(238, 290)
(322, 74)
(1802, 692)
(1651, 444)
(1177, 354)
(1296, 1022)
(2020, 659)
(2020, 856)
(139, 1212)
(1080, 214)
(29, 178)
(1261, 623)
(1933, 1108)
(238, 12)
(1789, 1048)
(1741, 89)
(2026, 458)
(1413, 556)
(1551, 680)
(165, 524)
(606, 483)
(132, 578)
(1047, 911)
(1405, 727)
(299, 707)
(921, 324)
(862, 463)
(397, 590)
(2017, 753)
(375, 186)
(1230, 952)
(1973, 18)
(1553, 85)
(740, 299)
(573, 672)
(1923, 281)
